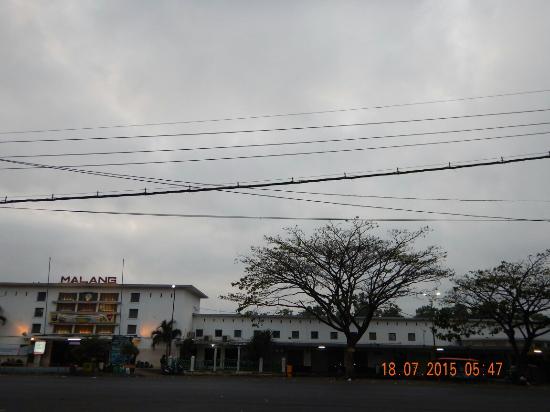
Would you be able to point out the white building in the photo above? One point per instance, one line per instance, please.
(57, 312)
(62, 313)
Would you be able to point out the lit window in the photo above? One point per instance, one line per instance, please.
(392, 336)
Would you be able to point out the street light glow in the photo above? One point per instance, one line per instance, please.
(440, 349)
(321, 347)
(537, 351)
(173, 286)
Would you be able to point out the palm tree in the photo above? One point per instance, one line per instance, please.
(165, 333)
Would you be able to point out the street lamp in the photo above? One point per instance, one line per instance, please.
(432, 296)
(172, 320)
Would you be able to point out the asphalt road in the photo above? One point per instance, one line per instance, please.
(218, 393)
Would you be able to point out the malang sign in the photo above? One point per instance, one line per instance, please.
(93, 279)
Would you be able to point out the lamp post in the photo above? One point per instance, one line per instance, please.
(172, 320)
(432, 296)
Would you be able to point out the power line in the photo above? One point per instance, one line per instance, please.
(213, 216)
(282, 182)
(270, 155)
(242, 146)
(280, 129)
(519, 93)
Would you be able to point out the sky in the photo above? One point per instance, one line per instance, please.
(83, 64)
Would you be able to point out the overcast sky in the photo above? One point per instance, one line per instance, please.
(67, 64)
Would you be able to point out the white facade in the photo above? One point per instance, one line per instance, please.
(37, 311)
(409, 332)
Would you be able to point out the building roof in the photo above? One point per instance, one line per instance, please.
(192, 289)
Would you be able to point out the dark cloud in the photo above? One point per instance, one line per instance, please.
(68, 64)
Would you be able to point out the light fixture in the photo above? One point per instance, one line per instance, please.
(537, 351)
(212, 345)
(440, 349)
(74, 339)
(437, 293)
(173, 286)
(321, 347)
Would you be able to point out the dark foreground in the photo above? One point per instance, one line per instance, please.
(217, 393)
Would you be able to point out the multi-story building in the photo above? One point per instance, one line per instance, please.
(62, 314)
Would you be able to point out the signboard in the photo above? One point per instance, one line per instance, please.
(83, 318)
(39, 347)
(117, 343)
(92, 280)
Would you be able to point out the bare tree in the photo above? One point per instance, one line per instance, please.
(513, 298)
(339, 275)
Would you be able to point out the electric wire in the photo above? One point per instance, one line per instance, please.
(280, 129)
(214, 216)
(249, 117)
(242, 146)
(238, 186)
(290, 154)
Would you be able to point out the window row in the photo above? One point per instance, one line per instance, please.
(295, 334)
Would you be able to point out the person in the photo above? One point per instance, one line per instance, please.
(163, 362)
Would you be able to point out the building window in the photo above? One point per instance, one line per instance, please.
(392, 336)
(218, 333)
(86, 307)
(84, 329)
(66, 307)
(295, 334)
(198, 333)
(411, 337)
(134, 297)
(333, 335)
(109, 297)
(41, 297)
(237, 333)
(62, 329)
(131, 329)
(38, 312)
(372, 335)
(276, 334)
(104, 329)
(35, 328)
(133, 313)
(314, 334)
(107, 307)
(67, 296)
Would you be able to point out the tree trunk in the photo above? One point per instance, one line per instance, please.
(348, 360)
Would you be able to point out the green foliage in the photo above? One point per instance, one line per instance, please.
(260, 345)
(187, 348)
(340, 274)
(513, 298)
(165, 333)
(390, 310)
(91, 350)
(130, 351)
